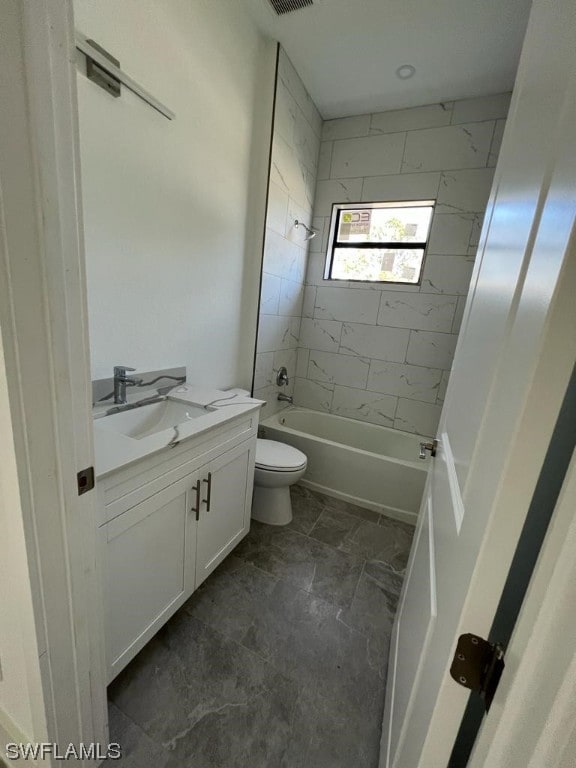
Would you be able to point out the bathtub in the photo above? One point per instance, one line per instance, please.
(368, 465)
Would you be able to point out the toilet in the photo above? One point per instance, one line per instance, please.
(278, 466)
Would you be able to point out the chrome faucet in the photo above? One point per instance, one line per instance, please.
(285, 398)
(121, 381)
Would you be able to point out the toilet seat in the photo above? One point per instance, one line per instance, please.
(273, 456)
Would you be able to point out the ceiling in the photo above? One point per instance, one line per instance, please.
(347, 51)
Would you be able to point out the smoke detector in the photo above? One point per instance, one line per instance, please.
(287, 6)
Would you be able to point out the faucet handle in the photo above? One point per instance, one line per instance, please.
(121, 370)
(431, 446)
(282, 377)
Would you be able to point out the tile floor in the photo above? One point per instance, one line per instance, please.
(279, 659)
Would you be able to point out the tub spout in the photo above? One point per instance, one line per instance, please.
(285, 398)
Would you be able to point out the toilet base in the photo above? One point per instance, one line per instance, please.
(272, 505)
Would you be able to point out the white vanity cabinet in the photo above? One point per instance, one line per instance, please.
(149, 558)
(166, 523)
(224, 515)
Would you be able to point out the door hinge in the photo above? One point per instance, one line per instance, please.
(85, 480)
(478, 665)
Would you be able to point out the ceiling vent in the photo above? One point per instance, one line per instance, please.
(287, 6)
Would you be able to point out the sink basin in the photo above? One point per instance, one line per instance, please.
(149, 419)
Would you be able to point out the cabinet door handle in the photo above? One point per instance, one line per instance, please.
(208, 491)
(196, 509)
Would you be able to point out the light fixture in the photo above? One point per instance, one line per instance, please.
(405, 71)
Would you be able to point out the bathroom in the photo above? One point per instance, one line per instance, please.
(281, 240)
(336, 343)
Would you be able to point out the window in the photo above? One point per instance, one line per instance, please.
(378, 242)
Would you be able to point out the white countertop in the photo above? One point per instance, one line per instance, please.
(114, 450)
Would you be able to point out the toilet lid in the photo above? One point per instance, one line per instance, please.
(271, 454)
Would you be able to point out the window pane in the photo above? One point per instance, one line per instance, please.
(384, 225)
(390, 265)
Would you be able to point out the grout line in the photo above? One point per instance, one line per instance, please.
(429, 171)
(414, 130)
(354, 517)
(331, 398)
(314, 526)
(456, 312)
(295, 587)
(441, 174)
(410, 332)
(225, 637)
(396, 410)
(492, 141)
(403, 151)
(362, 571)
(332, 158)
(380, 300)
(312, 580)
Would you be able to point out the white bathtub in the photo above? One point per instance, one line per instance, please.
(372, 466)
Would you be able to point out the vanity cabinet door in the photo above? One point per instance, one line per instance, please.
(226, 505)
(148, 568)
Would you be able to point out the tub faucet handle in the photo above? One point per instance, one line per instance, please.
(282, 377)
(431, 446)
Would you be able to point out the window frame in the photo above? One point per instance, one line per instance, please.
(333, 243)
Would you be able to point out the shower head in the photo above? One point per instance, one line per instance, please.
(310, 231)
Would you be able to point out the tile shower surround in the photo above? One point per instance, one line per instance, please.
(383, 353)
(296, 141)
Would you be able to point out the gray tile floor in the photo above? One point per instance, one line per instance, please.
(279, 659)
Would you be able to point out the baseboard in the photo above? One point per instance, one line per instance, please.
(395, 514)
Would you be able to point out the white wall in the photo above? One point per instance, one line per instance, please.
(174, 210)
(383, 353)
(293, 169)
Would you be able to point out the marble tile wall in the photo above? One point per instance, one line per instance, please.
(296, 141)
(383, 353)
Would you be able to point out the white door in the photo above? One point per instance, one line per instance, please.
(512, 365)
(224, 516)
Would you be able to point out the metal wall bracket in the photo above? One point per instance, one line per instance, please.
(478, 665)
(85, 479)
(108, 71)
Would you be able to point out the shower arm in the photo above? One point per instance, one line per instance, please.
(310, 231)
